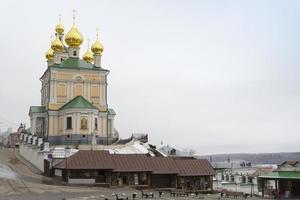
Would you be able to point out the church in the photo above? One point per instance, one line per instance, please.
(72, 134)
(74, 108)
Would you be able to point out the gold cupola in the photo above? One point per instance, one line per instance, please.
(57, 45)
(49, 55)
(59, 28)
(74, 38)
(97, 47)
(88, 55)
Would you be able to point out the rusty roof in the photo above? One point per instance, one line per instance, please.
(194, 167)
(136, 163)
(87, 160)
(163, 165)
(131, 163)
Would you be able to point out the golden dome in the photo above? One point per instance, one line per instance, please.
(97, 47)
(59, 28)
(88, 55)
(49, 55)
(74, 37)
(57, 45)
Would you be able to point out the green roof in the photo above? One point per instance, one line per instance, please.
(37, 109)
(76, 63)
(111, 111)
(282, 175)
(78, 102)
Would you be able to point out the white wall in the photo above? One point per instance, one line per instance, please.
(32, 155)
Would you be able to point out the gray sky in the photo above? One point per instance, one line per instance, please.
(216, 76)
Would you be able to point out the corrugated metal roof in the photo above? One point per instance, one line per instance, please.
(87, 160)
(163, 165)
(137, 163)
(131, 163)
(282, 175)
(194, 167)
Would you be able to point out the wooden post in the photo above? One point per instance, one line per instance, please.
(263, 187)
(276, 189)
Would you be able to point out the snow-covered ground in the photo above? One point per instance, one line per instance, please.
(6, 172)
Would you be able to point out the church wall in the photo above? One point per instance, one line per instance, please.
(58, 132)
(65, 85)
(104, 126)
(76, 123)
(45, 89)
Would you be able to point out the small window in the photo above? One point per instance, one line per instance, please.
(96, 123)
(69, 122)
(68, 136)
(83, 123)
(74, 53)
(83, 136)
(232, 178)
(243, 179)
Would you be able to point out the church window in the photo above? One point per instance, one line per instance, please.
(69, 122)
(96, 123)
(78, 90)
(61, 90)
(83, 123)
(74, 53)
(94, 91)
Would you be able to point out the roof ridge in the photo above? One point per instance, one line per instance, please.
(78, 102)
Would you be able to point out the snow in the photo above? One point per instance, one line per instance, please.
(7, 173)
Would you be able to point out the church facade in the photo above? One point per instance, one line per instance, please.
(74, 108)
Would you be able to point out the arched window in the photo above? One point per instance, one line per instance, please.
(83, 123)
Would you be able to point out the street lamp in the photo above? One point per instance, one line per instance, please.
(67, 148)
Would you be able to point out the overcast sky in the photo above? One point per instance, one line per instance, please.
(216, 76)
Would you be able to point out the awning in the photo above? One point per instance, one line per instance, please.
(295, 175)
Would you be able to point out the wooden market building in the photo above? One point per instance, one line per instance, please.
(137, 170)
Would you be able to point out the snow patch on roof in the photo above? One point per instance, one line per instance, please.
(134, 148)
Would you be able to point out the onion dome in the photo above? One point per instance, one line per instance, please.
(49, 55)
(97, 47)
(88, 55)
(74, 37)
(59, 28)
(57, 45)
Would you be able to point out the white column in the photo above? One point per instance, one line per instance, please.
(68, 91)
(78, 123)
(72, 90)
(90, 120)
(89, 91)
(111, 127)
(33, 125)
(54, 100)
(97, 60)
(72, 50)
(57, 57)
